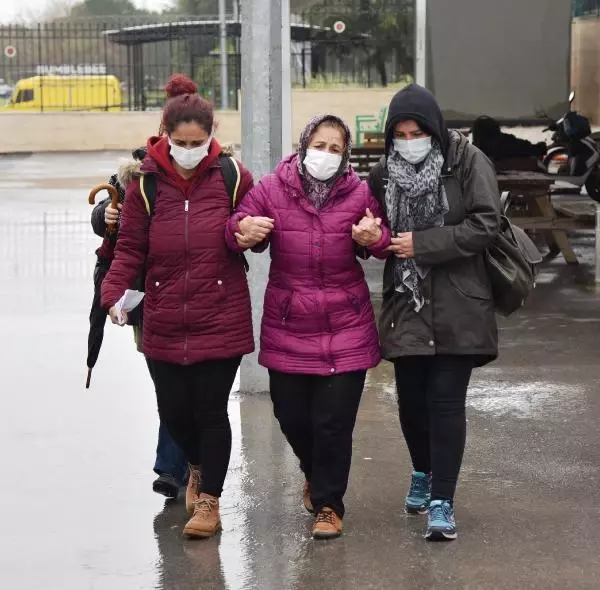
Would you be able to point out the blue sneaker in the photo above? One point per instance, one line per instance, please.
(441, 525)
(419, 493)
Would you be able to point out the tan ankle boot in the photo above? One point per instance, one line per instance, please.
(191, 492)
(306, 498)
(328, 525)
(206, 521)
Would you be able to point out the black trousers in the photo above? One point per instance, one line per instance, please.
(432, 394)
(192, 403)
(317, 416)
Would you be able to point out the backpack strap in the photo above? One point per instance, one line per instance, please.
(505, 200)
(232, 177)
(148, 190)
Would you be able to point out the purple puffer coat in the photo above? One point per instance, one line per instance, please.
(318, 318)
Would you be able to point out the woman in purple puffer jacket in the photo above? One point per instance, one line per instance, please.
(318, 330)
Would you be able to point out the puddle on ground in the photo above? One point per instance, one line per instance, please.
(522, 400)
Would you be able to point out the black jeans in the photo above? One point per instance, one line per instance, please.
(192, 403)
(432, 393)
(317, 416)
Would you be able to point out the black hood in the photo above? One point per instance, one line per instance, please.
(417, 104)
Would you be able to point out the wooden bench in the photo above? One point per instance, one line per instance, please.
(374, 139)
(364, 158)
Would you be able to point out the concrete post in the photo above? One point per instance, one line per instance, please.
(421, 42)
(264, 109)
(224, 56)
(286, 79)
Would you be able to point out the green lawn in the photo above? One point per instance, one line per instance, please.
(321, 83)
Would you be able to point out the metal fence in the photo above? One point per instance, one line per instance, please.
(114, 65)
(50, 245)
(583, 8)
(106, 67)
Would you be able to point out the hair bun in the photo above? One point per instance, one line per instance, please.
(180, 84)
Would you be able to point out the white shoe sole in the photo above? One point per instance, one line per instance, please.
(440, 536)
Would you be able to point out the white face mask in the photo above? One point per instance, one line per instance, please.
(189, 159)
(414, 151)
(322, 165)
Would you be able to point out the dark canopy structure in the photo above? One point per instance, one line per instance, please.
(200, 33)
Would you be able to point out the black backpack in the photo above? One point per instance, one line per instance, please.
(511, 262)
(231, 177)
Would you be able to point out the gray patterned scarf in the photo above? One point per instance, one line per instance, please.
(318, 191)
(415, 201)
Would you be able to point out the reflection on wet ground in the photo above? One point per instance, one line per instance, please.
(77, 509)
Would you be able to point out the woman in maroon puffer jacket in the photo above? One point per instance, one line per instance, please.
(197, 317)
(318, 331)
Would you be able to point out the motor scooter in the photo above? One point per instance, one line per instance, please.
(574, 156)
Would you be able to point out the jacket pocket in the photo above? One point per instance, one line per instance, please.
(285, 308)
(354, 301)
(470, 284)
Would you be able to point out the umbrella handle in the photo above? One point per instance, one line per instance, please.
(114, 200)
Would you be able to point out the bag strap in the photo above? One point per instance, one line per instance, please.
(148, 190)
(232, 178)
(504, 202)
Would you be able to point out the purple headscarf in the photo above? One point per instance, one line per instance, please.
(318, 191)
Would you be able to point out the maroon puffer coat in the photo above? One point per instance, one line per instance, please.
(197, 304)
(318, 318)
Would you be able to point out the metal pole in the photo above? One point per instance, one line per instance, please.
(421, 42)
(303, 67)
(263, 135)
(284, 30)
(224, 65)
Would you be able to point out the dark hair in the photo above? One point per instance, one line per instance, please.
(185, 105)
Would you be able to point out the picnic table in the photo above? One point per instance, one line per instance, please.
(586, 213)
(533, 210)
(554, 216)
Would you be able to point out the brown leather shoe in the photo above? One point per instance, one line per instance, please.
(306, 498)
(191, 492)
(206, 521)
(328, 525)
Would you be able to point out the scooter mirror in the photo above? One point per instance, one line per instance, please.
(571, 97)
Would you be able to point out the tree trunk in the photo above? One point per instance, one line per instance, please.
(380, 65)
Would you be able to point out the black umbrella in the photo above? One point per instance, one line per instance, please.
(97, 312)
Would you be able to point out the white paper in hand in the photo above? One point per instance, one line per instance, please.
(130, 300)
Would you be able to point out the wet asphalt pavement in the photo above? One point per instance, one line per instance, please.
(76, 507)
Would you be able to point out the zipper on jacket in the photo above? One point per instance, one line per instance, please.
(186, 279)
(286, 310)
